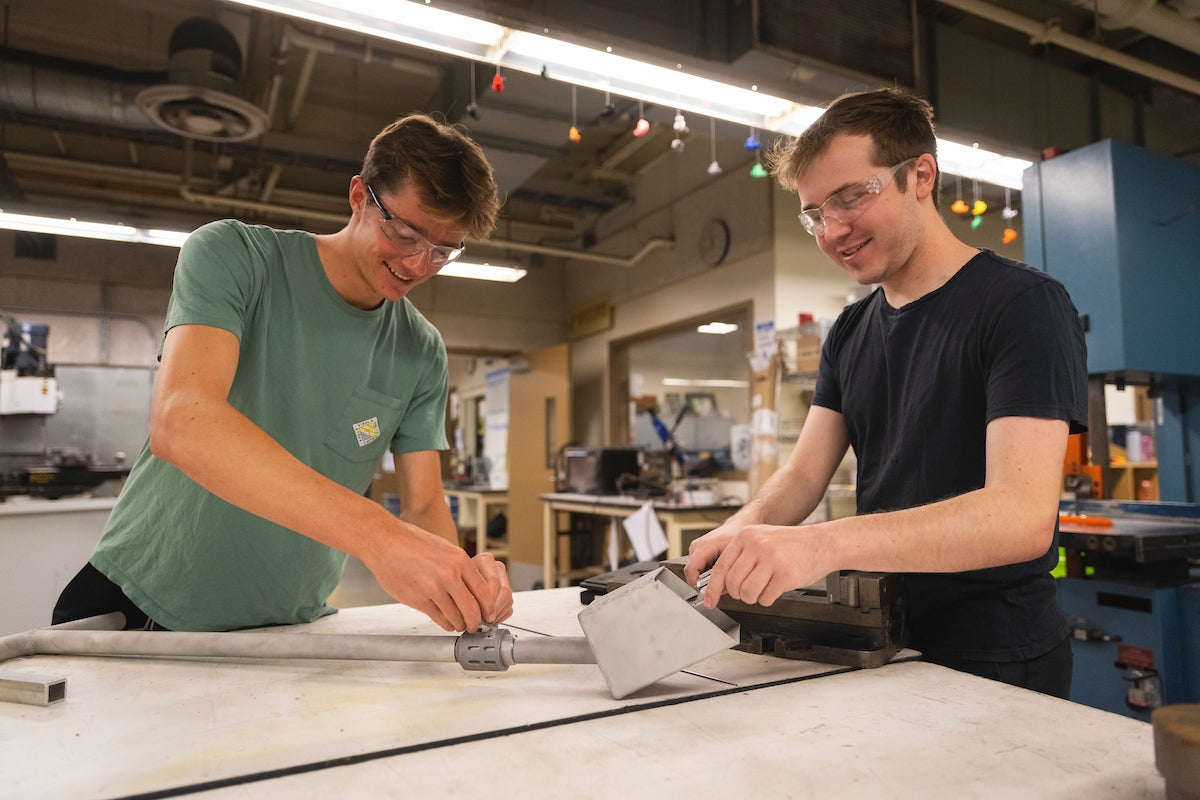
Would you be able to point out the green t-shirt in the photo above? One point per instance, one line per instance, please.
(333, 384)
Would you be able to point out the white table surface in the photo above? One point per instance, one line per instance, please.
(776, 728)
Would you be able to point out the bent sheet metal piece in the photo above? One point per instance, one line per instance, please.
(856, 619)
(649, 629)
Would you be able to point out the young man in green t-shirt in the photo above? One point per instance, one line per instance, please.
(290, 364)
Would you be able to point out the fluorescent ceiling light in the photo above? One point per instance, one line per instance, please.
(717, 327)
(128, 233)
(709, 383)
(91, 230)
(981, 165)
(482, 271)
(422, 25)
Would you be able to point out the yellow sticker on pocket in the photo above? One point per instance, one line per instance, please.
(367, 431)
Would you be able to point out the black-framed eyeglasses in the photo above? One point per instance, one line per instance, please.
(410, 243)
(848, 204)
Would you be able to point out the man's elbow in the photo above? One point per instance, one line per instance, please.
(166, 436)
(1038, 536)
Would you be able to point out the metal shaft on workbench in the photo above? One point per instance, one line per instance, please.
(254, 644)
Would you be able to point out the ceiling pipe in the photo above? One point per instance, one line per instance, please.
(1147, 16)
(581, 255)
(167, 180)
(1041, 33)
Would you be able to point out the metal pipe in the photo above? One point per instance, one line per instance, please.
(96, 637)
(244, 644)
(552, 650)
(580, 255)
(1148, 16)
(1043, 33)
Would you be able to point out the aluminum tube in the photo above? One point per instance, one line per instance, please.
(238, 644)
(552, 650)
(17, 645)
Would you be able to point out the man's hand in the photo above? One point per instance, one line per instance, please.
(497, 577)
(439, 579)
(761, 562)
(703, 552)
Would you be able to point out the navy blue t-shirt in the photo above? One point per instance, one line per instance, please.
(917, 387)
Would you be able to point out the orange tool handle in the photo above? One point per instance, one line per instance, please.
(1083, 519)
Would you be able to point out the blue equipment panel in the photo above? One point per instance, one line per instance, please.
(1120, 227)
(1136, 633)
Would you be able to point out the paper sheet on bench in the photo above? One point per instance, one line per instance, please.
(645, 533)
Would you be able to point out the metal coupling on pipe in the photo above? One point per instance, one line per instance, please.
(490, 649)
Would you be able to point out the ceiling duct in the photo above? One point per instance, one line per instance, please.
(202, 99)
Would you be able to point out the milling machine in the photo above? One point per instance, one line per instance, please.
(29, 395)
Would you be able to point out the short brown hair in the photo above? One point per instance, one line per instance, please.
(899, 123)
(449, 171)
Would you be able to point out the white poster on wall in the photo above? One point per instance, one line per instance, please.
(495, 428)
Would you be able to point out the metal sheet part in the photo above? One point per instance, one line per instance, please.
(648, 629)
(32, 689)
(856, 619)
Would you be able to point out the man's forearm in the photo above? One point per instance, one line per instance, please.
(230, 456)
(980, 529)
(787, 498)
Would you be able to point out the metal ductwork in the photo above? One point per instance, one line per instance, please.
(199, 97)
(40, 86)
(1147, 16)
(202, 99)
(1044, 33)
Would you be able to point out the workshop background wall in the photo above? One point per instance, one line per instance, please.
(85, 285)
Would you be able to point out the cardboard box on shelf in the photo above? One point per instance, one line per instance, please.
(800, 354)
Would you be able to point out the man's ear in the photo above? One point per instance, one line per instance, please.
(357, 194)
(924, 176)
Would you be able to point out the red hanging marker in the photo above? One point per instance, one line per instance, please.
(497, 83)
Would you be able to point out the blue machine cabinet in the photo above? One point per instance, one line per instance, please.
(1133, 597)
(1132, 642)
(1120, 227)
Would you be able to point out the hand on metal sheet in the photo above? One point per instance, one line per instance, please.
(764, 561)
(703, 552)
(496, 575)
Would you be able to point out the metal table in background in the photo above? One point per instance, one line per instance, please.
(675, 518)
(734, 725)
(479, 499)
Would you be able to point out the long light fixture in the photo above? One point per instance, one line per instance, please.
(128, 233)
(91, 230)
(421, 25)
(482, 271)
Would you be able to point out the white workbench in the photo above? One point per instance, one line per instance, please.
(773, 728)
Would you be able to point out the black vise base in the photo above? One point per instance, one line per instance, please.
(866, 646)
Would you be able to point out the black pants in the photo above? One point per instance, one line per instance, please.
(1049, 674)
(90, 593)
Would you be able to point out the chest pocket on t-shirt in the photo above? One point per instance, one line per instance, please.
(365, 425)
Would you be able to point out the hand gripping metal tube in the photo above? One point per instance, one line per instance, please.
(496, 649)
(489, 649)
